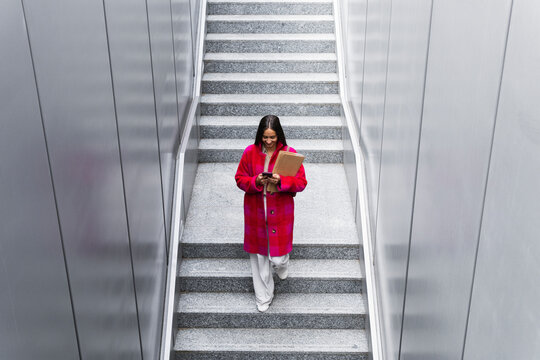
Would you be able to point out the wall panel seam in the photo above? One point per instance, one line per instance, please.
(66, 267)
(415, 179)
(193, 41)
(123, 180)
(177, 139)
(382, 125)
(363, 73)
(374, 231)
(175, 77)
(486, 182)
(157, 132)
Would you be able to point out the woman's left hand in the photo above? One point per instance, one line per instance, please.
(275, 179)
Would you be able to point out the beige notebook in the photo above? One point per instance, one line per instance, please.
(287, 164)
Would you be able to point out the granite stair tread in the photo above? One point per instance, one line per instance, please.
(278, 18)
(317, 242)
(252, 121)
(240, 268)
(272, 340)
(266, 23)
(262, 37)
(298, 144)
(292, 303)
(266, 57)
(296, 127)
(262, 62)
(230, 150)
(269, 83)
(315, 130)
(274, 7)
(271, 99)
(193, 235)
(270, 1)
(271, 77)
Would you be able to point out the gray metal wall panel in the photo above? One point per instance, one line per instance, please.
(504, 313)
(403, 111)
(69, 45)
(159, 16)
(344, 23)
(134, 96)
(374, 93)
(195, 6)
(36, 318)
(464, 63)
(354, 32)
(183, 48)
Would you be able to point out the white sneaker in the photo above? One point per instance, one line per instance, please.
(284, 274)
(265, 306)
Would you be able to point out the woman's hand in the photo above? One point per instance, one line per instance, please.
(261, 180)
(275, 179)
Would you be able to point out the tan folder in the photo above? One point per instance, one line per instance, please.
(287, 164)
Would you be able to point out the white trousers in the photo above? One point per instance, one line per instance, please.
(261, 269)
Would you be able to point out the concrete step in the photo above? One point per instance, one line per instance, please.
(295, 127)
(270, 62)
(270, 83)
(305, 276)
(274, 7)
(235, 249)
(271, 344)
(270, 24)
(237, 310)
(270, 43)
(280, 105)
(230, 150)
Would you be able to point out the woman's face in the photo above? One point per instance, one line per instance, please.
(269, 139)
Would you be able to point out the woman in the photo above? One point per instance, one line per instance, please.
(268, 217)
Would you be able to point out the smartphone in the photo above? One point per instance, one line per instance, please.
(267, 174)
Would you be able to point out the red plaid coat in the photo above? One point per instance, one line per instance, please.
(280, 205)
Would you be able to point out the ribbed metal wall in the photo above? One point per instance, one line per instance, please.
(374, 89)
(93, 99)
(36, 314)
(451, 203)
(464, 64)
(392, 204)
(503, 319)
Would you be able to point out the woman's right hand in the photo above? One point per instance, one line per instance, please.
(261, 180)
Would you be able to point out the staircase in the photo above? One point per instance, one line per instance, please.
(271, 57)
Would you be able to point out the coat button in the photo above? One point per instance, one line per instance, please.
(272, 212)
(273, 231)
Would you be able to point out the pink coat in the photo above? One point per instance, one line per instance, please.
(280, 205)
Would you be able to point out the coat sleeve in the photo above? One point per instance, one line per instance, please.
(244, 177)
(295, 183)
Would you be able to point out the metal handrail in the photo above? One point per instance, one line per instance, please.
(372, 294)
(178, 212)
